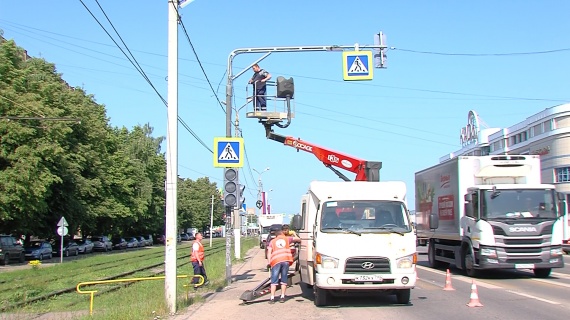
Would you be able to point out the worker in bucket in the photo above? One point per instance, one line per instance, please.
(280, 258)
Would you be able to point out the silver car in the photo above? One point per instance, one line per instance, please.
(102, 243)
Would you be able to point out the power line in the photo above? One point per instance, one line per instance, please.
(175, 5)
(140, 70)
(483, 54)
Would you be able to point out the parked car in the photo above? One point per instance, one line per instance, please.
(85, 245)
(150, 240)
(132, 242)
(119, 243)
(10, 250)
(102, 243)
(142, 241)
(184, 237)
(70, 248)
(38, 250)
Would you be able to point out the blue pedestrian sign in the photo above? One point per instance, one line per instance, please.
(228, 152)
(357, 65)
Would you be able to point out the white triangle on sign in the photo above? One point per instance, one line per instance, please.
(357, 66)
(228, 153)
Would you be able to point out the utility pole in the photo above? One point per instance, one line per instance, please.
(171, 160)
(211, 220)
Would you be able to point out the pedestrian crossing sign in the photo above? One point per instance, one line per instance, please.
(228, 152)
(357, 65)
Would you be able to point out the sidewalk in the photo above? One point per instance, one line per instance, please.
(223, 304)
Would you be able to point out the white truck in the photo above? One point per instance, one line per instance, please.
(265, 221)
(356, 236)
(489, 212)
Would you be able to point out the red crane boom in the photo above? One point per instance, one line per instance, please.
(365, 170)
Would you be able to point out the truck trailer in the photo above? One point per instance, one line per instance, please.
(489, 212)
(356, 236)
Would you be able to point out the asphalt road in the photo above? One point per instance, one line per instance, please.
(504, 295)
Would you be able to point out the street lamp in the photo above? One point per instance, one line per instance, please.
(260, 195)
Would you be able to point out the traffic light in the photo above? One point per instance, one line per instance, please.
(241, 197)
(285, 87)
(230, 187)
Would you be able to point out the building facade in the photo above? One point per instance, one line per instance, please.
(546, 133)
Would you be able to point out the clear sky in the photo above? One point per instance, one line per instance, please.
(449, 57)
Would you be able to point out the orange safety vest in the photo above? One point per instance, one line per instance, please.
(280, 251)
(200, 252)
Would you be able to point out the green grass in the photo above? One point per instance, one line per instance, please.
(141, 300)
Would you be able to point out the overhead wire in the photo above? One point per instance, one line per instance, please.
(141, 71)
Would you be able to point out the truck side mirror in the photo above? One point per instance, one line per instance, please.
(468, 197)
(297, 222)
(433, 221)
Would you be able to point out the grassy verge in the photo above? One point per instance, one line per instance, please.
(140, 300)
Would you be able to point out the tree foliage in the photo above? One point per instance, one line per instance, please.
(59, 156)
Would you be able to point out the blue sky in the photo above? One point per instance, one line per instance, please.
(408, 116)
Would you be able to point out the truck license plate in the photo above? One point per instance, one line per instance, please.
(524, 266)
(372, 277)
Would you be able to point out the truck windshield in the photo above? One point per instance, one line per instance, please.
(372, 216)
(518, 204)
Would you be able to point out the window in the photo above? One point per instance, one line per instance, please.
(563, 174)
(547, 126)
(537, 129)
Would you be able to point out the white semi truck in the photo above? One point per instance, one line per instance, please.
(356, 236)
(489, 212)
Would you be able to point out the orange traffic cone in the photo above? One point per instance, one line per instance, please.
(448, 286)
(474, 300)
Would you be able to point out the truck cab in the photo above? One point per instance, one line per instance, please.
(356, 236)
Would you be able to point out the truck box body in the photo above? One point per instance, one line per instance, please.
(346, 244)
(492, 211)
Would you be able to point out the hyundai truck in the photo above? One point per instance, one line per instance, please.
(356, 236)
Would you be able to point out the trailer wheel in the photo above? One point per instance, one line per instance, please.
(542, 273)
(322, 296)
(403, 296)
(433, 263)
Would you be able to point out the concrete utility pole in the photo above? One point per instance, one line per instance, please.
(171, 159)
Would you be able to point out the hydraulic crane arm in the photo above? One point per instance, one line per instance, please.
(365, 170)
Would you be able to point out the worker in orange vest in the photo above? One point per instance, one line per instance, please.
(280, 258)
(197, 257)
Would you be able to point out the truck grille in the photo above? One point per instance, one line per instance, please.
(371, 265)
(498, 231)
(522, 242)
(523, 250)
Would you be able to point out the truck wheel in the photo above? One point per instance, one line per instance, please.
(22, 257)
(6, 259)
(321, 296)
(542, 273)
(468, 265)
(261, 246)
(403, 296)
(433, 263)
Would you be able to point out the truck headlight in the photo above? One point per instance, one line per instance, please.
(556, 252)
(491, 253)
(406, 262)
(326, 262)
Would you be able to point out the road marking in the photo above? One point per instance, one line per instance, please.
(561, 275)
(461, 278)
(532, 297)
(552, 282)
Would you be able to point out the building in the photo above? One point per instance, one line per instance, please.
(546, 133)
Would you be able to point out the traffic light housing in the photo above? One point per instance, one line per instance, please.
(230, 187)
(285, 87)
(241, 196)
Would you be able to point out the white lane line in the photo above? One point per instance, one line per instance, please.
(532, 297)
(461, 278)
(552, 282)
(561, 275)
